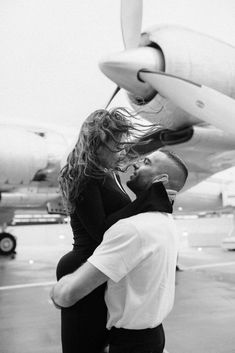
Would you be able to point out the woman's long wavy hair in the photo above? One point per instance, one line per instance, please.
(82, 162)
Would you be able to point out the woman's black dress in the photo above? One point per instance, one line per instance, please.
(83, 326)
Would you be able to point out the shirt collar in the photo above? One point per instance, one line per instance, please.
(156, 198)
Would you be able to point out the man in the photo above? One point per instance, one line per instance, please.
(137, 258)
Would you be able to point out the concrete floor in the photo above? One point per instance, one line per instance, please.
(202, 321)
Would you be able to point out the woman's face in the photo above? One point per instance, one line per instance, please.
(108, 153)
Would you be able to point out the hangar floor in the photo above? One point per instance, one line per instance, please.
(203, 318)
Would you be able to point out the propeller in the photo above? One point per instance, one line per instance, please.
(131, 22)
(204, 103)
(201, 101)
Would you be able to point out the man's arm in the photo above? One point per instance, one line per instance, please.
(73, 287)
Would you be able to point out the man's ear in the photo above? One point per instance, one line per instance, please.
(164, 178)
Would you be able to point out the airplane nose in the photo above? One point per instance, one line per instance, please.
(122, 68)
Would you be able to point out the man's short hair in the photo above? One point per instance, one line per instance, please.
(179, 162)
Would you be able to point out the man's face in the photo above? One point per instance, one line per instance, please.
(146, 171)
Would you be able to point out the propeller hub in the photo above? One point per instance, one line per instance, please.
(122, 68)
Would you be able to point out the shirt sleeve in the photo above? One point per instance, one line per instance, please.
(119, 252)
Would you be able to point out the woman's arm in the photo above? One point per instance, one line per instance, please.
(90, 211)
(92, 215)
(94, 219)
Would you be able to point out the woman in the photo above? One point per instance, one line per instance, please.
(94, 199)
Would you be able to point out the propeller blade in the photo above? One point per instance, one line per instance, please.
(131, 21)
(117, 89)
(200, 101)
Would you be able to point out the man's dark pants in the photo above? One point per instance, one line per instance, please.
(137, 341)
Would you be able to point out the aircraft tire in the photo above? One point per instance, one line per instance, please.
(7, 244)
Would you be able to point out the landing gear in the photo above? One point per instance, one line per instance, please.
(7, 244)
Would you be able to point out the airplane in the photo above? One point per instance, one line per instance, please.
(29, 170)
(184, 81)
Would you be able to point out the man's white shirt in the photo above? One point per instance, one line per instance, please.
(139, 255)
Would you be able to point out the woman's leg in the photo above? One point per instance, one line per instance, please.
(83, 326)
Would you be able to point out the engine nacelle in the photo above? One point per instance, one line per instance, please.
(28, 197)
(180, 52)
(193, 56)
